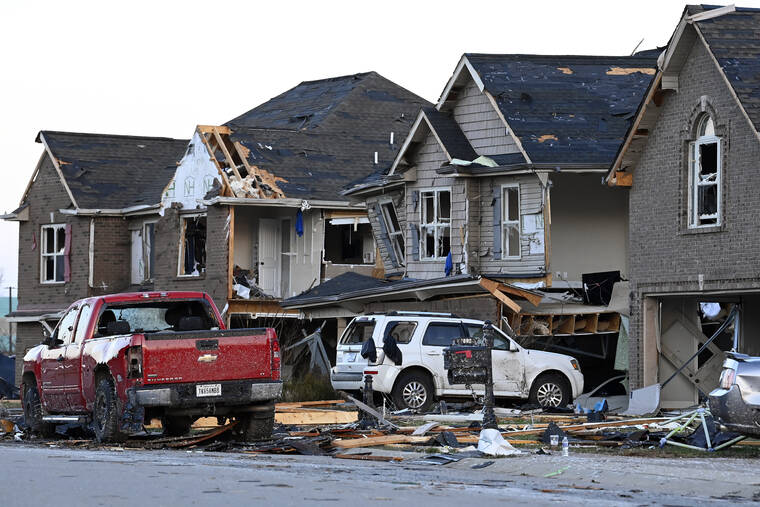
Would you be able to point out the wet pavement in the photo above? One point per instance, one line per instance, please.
(43, 475)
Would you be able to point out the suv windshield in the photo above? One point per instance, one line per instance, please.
(357, 332)
(155, 316)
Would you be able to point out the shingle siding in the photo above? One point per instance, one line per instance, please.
(664, 255)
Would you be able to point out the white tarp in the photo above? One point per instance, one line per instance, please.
(492, 443)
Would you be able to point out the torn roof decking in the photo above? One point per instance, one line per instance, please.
(734, 40)
(114, 171)
(321, 135)
(567, 109)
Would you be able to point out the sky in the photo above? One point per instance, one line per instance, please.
(158, 68)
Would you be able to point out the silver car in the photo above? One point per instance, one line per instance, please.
(736, 403)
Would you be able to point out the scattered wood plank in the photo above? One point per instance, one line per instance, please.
(316, 417)
(299, 404)
(365, 457)
(374, 441)
(371, 411)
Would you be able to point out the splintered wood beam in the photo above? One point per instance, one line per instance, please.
(227, 154)
(534, 299)
(251, 170)
(231, 254)
(209, 129)
(493, 288)
(225, 180)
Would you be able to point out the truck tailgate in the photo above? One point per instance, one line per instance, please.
(203, 356)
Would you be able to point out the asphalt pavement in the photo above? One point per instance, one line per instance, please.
(37, 475)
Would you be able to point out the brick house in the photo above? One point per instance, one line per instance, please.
(689, 167)
(501, 180)
(86, 222)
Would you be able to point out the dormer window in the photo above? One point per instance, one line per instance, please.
(705, 176)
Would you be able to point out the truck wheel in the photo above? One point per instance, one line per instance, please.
(176, 426)
(413, 391)
(255, 426)
(33, 412)
(550, 390)
(105, 417)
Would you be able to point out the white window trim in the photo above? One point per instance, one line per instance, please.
(181, 249)
(393, 235)
(438, 225)
(694, 184)
(504, 223)
(146, 253)
(54, 255)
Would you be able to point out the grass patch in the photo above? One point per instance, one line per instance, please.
(310, 387)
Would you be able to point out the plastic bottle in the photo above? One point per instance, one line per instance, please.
(565, 447)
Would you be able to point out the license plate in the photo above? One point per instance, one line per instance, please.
(208, 390)
(351, 357)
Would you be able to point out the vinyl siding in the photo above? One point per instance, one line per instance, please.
(481, 124)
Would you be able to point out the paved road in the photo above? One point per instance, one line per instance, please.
(34, 475)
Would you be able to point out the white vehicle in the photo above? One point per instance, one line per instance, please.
(545, 378)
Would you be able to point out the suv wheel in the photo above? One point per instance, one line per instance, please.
(413, 391)
(550, 390)
(33, 412)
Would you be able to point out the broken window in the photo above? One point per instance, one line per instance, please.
(193, 246)
(705, 174)
(435, 224)
(53, 253)
(510, 220)
(349, 243)
(395, 233)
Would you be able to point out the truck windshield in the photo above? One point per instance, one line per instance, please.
(156, 316)
(357, 332)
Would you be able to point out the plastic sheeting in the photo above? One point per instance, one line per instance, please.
(492, 443)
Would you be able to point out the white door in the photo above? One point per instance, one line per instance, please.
(269, 256)
(438, 336)
(508, 365)
(138, 264)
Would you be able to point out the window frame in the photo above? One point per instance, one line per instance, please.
(396, 237)
(462, 330)
(694, 182)
(436, 225)
(55, 255)
(181, 250)
(506, 223)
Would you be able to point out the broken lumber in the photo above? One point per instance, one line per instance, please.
(365, 457)
(374, 441)
(299, 404)
(316, 417)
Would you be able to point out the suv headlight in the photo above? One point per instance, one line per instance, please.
(575, 364)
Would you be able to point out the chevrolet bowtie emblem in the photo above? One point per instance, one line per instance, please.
(207, 358)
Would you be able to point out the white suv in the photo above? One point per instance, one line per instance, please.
(545, 378)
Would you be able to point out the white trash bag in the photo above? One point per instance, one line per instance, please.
(492, 443)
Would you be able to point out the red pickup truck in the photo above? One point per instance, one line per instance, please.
(118, 361)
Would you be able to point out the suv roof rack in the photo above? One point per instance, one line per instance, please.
(396, 313)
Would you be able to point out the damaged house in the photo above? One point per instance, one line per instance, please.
(87, 223)
(263, 192)
(689, 169)
(495, 193)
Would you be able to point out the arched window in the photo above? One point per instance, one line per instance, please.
(705, 175)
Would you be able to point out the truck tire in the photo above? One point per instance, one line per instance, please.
(256, 426)
(550, 390)
(413, 390)
(105, 416)
(33, 412)
(176, 426)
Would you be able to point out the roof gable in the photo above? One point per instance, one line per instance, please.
(112, 171)
(566, 109)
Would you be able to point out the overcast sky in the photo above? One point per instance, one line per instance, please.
(159, 68)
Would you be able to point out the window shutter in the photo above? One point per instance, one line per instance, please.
(497, 223)
(66, 255)
(415, 242)
(415, 198)
(384, 237)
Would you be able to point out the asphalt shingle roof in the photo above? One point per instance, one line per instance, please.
(734, 40)
(113, 171)
(567, 109)
(322, 135)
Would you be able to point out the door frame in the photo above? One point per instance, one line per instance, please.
(277, 255)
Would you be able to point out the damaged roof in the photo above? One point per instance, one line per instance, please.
(114, 171)
(734, 40)
(568, 109)
(322, 135)
(449, 133)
